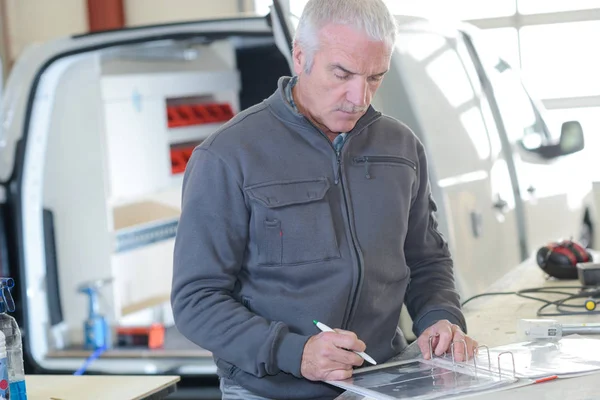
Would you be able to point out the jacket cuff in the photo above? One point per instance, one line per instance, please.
(288, 354)
(434, 316)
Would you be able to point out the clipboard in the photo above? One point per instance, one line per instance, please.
(421, 379)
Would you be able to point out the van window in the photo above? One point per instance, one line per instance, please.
(521, 119)
(484, 105)
(444, 95)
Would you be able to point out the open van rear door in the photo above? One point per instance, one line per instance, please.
(92, 165)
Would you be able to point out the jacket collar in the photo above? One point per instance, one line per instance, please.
(283, 110)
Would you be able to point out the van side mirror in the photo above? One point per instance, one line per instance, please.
(571, 141)
(571, 138)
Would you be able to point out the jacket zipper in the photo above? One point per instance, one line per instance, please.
(338, 179)
(346, 321)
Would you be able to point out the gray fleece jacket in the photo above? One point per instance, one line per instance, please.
(278, 230)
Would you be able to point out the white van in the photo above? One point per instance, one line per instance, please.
(96, 130)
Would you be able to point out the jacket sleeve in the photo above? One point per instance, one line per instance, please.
(209, 250)
(431, 295)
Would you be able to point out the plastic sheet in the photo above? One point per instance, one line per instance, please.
(571, 356)
(421, 380)
(408, 375)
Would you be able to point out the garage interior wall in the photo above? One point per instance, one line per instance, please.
(32, 21)
(144, 12)
(26, 22)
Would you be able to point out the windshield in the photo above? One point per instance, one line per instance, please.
(521, 115)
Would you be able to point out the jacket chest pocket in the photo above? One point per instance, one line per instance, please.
(367, 162)
(293, 222)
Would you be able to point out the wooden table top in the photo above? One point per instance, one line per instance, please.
(98, 387)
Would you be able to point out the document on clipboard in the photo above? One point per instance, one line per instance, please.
(498, 368)
(424, 380)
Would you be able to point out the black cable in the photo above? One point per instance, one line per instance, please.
(533, 290)
(549, 291)
(485, 294)
(560, 304)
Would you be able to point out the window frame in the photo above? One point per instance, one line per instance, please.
(545, 151)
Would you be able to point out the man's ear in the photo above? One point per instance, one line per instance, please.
(299, 58)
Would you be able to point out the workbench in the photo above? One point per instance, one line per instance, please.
(492, 320)
(99, 387)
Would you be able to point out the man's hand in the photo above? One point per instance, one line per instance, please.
(327, 356)
(444, 333)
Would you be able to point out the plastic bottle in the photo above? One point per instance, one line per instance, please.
(4, 387)
(14, 344)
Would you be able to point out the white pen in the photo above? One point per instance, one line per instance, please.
(364, 355)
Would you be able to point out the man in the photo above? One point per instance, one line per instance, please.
(313, 206)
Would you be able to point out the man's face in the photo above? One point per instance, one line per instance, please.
(347, 71)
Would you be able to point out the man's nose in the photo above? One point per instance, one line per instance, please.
(358, 92)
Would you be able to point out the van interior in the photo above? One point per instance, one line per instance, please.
(110, 216)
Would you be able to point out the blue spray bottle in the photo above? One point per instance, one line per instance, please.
(96, 330)
(14, 344)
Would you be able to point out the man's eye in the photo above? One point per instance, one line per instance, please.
(376, 78)
(342, 77)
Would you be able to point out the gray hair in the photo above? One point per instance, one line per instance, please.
(369, 16)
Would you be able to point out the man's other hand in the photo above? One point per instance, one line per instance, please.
(327, 356)
(444, 333)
